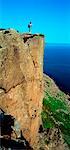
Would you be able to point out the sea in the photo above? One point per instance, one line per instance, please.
(57, 64)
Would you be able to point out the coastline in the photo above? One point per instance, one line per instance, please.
(53, 89)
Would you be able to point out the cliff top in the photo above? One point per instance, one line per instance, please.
(27, 34)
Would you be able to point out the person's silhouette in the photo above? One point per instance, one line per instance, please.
(29, 26)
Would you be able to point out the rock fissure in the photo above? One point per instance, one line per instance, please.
(6, 91)
(1, 88)
(31, 56)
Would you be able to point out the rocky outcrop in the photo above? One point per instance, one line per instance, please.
(54, 137)
(21, 84)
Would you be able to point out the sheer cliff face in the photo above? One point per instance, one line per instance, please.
(21, 85)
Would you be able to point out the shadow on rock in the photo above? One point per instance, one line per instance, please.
(6, 124)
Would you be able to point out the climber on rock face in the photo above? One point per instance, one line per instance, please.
(29, 26)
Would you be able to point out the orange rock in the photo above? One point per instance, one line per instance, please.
(21, 80)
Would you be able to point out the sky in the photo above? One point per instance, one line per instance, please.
(48, 17)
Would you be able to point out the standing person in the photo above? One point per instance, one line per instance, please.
(29, 26)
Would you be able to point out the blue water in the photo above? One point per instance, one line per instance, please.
(57, 64)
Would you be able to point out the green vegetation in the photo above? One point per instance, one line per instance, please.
(56, 113)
